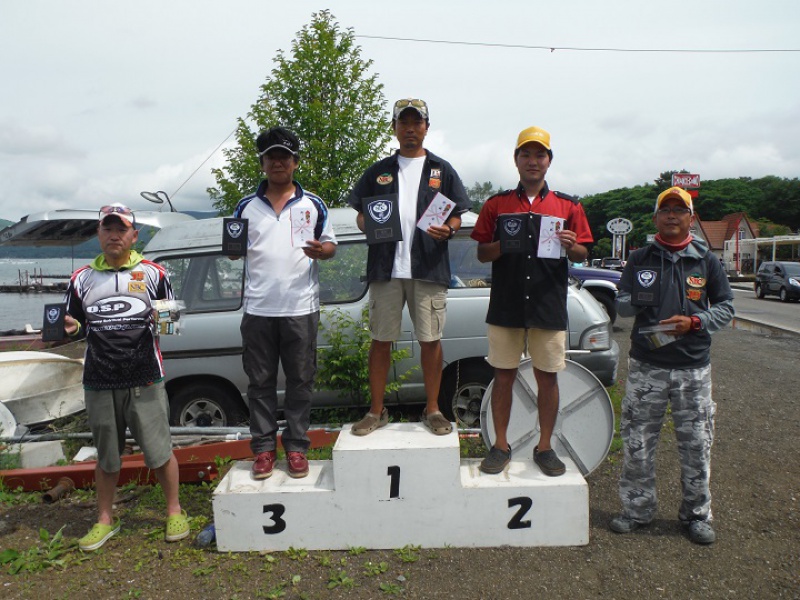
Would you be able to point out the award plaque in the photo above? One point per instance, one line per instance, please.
(512, 231)
(646, 287)
(234, 237)
(53, 322)
(382, 219)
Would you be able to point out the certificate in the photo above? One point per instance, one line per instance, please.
(437, 212)
(304, 220)
(549, 242)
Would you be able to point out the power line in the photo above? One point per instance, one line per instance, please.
(213, 152)
(578, 49)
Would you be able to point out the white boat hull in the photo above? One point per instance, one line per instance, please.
(37, 387)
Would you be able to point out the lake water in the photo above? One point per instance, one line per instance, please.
(18, 309)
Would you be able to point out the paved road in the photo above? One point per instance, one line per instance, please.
(770, 311)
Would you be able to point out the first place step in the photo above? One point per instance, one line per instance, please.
(400, 485)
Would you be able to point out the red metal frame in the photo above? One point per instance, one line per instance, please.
(195, 465)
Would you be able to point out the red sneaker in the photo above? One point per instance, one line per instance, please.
(298, 464)
(262, 467)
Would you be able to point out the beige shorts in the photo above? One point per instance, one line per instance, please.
(546, 347)
(427, 305)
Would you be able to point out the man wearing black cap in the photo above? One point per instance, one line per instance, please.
(110, 302)
(679, 294)
(415, 270)
(288, 232)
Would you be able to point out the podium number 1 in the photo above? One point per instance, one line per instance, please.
(394, 481)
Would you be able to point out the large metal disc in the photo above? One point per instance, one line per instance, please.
(585, 424)
(8, 424)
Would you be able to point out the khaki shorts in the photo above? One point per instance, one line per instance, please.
(546, 347)
(427, 305)
(144, 410)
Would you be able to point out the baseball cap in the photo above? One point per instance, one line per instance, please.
(277, 137)
(533, 134)
(675, 192)
(418, 105)
(122, 212)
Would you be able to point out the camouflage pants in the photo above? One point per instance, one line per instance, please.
(649, 389)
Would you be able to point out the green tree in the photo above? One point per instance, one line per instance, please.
(325, 94)
(480, 192)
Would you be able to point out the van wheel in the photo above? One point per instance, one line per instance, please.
(463, 387)
(784, 295)
(205, 405)
(760, 291)
(607, 302)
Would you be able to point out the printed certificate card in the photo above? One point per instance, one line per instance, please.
(303, 223)
(437, 212)
(549, 244)
(382, 219)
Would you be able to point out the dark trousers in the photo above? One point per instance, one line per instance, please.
(292, 341)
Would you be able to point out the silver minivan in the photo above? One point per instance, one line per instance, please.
(205, 380)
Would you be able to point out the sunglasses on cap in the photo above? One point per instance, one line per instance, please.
(122, 212)
(412, 102)
(676, 210)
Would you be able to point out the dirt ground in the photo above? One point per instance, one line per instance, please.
(755, 486)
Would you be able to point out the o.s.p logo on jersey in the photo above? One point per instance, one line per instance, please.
(118, 306)
(646, 278)
(235, 228)
(380, 210)
(512, 226)
(53, 314)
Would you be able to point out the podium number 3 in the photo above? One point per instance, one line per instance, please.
(276, 512)
(524, 504)
(394, 481)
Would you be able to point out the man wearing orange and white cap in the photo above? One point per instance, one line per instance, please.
(679, 294)
(110, 302)
(528, 302)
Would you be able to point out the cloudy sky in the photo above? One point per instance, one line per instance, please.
(104, 99)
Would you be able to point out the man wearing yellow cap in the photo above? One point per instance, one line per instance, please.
(679, 294)
(528, 301)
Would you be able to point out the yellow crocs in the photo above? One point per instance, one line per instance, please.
(98, 535)
(177, 527)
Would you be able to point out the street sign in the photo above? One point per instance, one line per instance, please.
(619, 226)
(686, 180)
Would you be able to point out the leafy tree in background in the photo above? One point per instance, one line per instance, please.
(480, 192)
(323, 93)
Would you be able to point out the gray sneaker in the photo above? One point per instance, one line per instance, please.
(701, 532)
(495, 461)
(623, 524)
(370, 423)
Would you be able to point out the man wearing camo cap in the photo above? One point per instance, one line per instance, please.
(679, 294)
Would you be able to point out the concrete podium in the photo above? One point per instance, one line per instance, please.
(400, 485)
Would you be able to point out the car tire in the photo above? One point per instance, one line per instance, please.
(784, 295)
(205, 405)
(607, 302)
(760, 291)
(463, 386)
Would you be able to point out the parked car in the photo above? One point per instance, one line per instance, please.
(205, 380)
(603, 284)
(779, 278)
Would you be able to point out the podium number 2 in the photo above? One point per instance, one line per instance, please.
(524, 504)
(394, 481)
(276, 512)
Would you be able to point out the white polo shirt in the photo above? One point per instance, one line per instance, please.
(280, 280)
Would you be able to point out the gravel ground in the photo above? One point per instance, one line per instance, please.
(755, 485)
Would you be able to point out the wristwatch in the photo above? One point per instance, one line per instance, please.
(697, 324)
(452, 231)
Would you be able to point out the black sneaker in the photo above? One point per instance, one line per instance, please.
(495, 461)
(549, 462)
